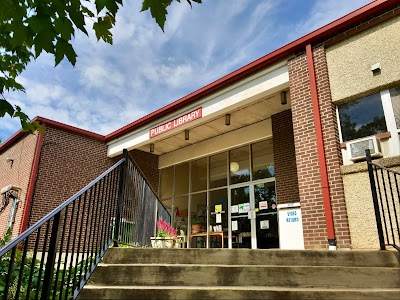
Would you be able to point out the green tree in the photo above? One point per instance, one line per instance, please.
(29, 27)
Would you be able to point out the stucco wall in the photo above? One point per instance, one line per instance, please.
(349, 62)
(360, 210)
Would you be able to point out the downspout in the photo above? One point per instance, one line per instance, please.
(32, 181)
(321, 151)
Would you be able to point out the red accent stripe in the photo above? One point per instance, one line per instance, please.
(16, 136)
(316, 36)
(32, 181)
(320, 145)
(69, 128)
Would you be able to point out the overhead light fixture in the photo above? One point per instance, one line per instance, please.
(186, 134)
(283, 97)
(227, 119)
(151, 148)
(234, 166)
(9, 159)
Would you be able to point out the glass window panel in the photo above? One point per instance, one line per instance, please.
(241, 226)
(218, 176)
(239, 165)
(395, 95)
(218, 217)
(168, 206)
(362, 117)
(263, 160)
(199, 175)
(265, 193)
(198, 220)
(182, 179)
(181, 214)
(166, 182)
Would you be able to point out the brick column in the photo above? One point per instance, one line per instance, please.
(310, 191)
(286, 185)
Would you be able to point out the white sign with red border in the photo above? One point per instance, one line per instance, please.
(184, 119)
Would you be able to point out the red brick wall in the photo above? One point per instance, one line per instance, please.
(287, 188)
(310, 192)
(17, 173)
(68, 162)
(148, 164)
(332, 149)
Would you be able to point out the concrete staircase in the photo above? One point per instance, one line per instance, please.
(244, 274)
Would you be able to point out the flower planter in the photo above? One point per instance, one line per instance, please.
(163, 242)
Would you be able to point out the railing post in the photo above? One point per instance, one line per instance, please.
(121, 189)
(375, 200)
(51, 257)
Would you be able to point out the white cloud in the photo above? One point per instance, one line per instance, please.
(113, 85)
(324, 12)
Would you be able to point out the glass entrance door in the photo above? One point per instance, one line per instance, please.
(241, 224)
(254, 221)
(265, 212)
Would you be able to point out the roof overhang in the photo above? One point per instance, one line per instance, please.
(253, 88)
(374, 8)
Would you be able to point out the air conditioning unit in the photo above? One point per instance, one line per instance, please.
(356, 149)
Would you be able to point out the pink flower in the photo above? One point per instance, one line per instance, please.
(164, 229)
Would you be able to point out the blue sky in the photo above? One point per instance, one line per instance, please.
(145, 69)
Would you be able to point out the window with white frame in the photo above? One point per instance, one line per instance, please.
(362, 117)
(370, 115)
(395, 96)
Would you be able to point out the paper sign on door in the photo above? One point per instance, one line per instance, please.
(234, 225)
(244, 208)
(263, 205)
(264, 224)
(218, 218)
(234, 209)
(218, 208)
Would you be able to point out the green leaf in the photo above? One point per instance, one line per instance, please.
(63, 26)
(100, 4)
(44, 40)
(77, 17)
(111, 5)
(157, 9)
(6, 108)
(19, 33)
(87, 11)
(102, 29)
(64, 48)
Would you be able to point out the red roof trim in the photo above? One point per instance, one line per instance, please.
(19, 134)
(70, 128)
(319, 35)
(351, 19)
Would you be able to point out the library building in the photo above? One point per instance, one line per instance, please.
(271, 155)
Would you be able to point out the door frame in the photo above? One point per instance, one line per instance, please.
(252, 212)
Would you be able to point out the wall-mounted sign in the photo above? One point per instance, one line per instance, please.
(184, 119)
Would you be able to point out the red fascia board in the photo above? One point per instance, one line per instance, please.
(298, 45)
(19, 134)
(70, 128)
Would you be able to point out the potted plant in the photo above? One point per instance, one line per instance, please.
(196, 224)
(166, 235)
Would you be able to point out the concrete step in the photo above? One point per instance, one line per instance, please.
(252, 257)
(232, 292)
(246, 275)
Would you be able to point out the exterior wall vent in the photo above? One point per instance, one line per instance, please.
(356, 149)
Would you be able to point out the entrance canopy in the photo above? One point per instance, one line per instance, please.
(249, 102)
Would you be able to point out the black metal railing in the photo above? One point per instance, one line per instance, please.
(54, 258)
(386, 199)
